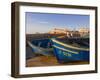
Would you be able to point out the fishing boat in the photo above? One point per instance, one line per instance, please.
(72, 49)
(41, 47)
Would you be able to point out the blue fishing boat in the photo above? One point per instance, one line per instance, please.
(41, 47)
(73, 49)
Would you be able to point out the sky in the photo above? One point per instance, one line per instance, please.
(44, 22)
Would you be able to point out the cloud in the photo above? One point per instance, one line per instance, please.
(43, 22)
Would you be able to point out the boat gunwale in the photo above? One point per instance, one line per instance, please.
(75, 52)
(46, 49)
(66, 45)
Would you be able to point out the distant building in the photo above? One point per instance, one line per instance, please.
(59, 31)
(83, 31)
(77, 33)
(65, 32)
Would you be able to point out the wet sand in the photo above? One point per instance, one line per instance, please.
(49, 61)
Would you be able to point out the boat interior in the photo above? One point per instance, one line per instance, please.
(77, 42)
(44, 43)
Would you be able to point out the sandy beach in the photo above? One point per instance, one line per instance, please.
(49, 61)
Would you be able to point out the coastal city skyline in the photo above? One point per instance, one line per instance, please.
(44, 22)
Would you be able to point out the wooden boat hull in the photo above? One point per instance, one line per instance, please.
(67, 53)
(41, 47)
